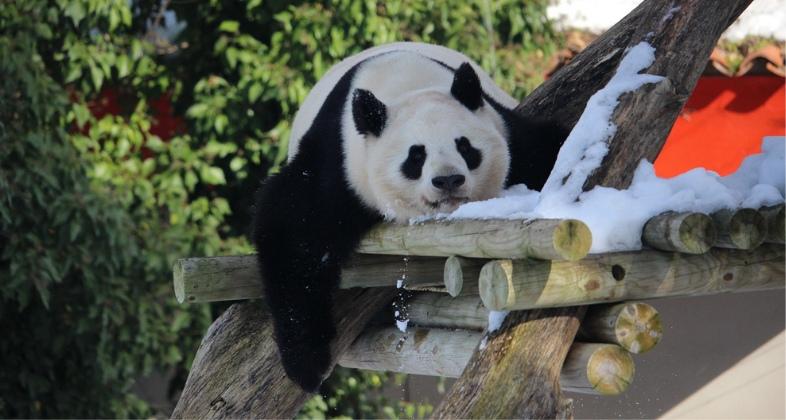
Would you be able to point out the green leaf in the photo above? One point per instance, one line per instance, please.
(212, 175)
(231, 26)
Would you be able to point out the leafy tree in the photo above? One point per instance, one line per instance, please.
(97, 199)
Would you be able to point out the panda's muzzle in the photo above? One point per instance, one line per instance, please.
(448, 183)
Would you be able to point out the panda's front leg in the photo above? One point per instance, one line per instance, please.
(303, 235)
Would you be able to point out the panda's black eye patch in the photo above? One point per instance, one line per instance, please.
(471, 155)
(412, 168)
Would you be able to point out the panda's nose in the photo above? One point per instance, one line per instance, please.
(448, 183)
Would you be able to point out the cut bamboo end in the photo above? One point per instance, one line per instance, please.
(635, 326)
(739, 229)
(692, 233)
(547, 239)
(591, 368)
(495, 284)
(776, 223)
(461, 276)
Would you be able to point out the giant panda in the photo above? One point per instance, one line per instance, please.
(394, 132)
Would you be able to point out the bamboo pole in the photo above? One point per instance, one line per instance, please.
(688, 232)
(776, 228)
(526, 284)
(601, 369)
(548, 239)
(634, 326)
(461, 275)
(740, 229)
(211, 279)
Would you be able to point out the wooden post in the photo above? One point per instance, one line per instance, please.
(444, 311)
(600, 369)
(740, 229)
(525, 284)
(237, 372)
(461, 275)
(547, 239)
(691, 233)
(634, 326)
(212, 279)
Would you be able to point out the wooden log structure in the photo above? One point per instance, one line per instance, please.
(687, 232)
(461, 275)
(740, 229)
(519, 371)
(601, 369)
(526, 284)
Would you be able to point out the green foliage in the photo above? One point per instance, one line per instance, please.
(94, 206)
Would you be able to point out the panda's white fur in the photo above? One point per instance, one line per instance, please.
(351, 154)
(409, 79)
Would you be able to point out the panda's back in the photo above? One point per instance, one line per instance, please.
(390, 71)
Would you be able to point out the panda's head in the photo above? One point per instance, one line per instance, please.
(431, 150)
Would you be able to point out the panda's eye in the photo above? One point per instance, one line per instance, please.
(471, 155)
(413, 166)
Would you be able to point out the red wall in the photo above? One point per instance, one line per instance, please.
(722, 123)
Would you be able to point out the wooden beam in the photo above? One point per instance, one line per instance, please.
(461, 275)
(634, 326)
(212, 279)
(547, 239)
(600, 369)
(237, 372)
(526, 284)
(740, 229)
(688, 232)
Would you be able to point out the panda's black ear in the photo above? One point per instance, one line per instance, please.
(466, 87)
(369, 113)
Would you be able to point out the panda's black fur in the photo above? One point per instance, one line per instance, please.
(309, 220)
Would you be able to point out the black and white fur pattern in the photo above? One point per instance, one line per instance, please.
(395, 132)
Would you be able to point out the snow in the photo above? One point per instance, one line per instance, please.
(616, 217)
(762, 18)
(402, 325)
(495, 320)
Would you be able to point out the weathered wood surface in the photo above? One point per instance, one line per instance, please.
(634, 326)
(591, 368)
(688, 232)
(547, 239)
(440, 352)
(237, 372)
(211, 279)
(526, 284)
(461, 275)
(517, 373)
(740, 229)
(776, 223)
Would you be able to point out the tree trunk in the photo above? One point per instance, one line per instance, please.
(528, 384)
(237, 372)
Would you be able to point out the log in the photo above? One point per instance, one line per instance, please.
(547, 239)
(461, 275)
(592, 368)
(776, 227)
(687, 232)
(212, 279)
(526, 284)
(517, 374)
(237, 372)
(740, 229)
(634, 326)
(445, 353)
(444, 311)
